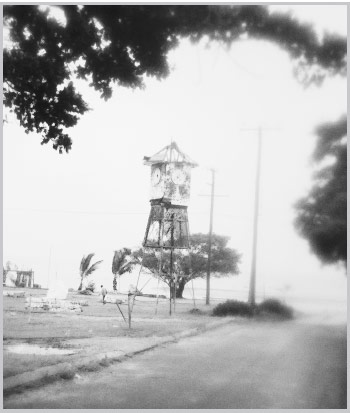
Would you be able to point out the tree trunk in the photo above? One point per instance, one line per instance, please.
(81, 285)
(180, 287)
(115, 282)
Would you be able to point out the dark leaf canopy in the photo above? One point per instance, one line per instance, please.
(331, 138)
(224, 260)
(322, 214)
(119, 44)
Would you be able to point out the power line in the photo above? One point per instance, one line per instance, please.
(225, 214)
(75, 212)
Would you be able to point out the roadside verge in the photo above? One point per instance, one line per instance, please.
(96, 361)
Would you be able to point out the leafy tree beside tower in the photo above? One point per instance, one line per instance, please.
(193, 265)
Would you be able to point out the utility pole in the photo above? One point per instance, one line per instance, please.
(207, 299)
(212, 196)
(251, 298)
(252, 285)
(48, 271)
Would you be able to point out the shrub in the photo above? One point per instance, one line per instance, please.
(67, 374)
(275, 307)
(270, 307)
(233, 307)
(196, 311)
(85, 292)
(93, 366)
(91, 286)
(105, 362)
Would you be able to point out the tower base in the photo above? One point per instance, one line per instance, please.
(167, 226)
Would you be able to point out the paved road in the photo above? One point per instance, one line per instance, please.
(248, 365)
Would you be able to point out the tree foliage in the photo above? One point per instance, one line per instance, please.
(188, 266)
(120, 44)
(86, 269)
(321, 215)
(121, 264)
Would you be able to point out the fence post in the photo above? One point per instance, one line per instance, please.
(30, 307)
(129, 309)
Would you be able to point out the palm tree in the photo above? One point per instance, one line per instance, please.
(86, 269)
(121, 264)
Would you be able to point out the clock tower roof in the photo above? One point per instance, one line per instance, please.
(169, 154)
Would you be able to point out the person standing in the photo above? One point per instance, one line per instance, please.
(104, 293)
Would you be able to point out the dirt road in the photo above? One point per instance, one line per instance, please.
(297, 364)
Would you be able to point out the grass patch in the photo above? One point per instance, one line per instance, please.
(93, 366)
(67, 374)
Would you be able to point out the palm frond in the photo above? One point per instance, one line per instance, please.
(120, 264)
(92, 268)
(82, 265)
(126, 267)
(85, 262)
(117, 258)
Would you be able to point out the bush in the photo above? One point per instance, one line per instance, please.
(269, 307)
(105, 362)
(233, 307)
(196, 311)
(67, 375)
(91, 286)
(275, 307)
(85, 292)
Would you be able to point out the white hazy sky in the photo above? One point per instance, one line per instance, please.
(58, 208)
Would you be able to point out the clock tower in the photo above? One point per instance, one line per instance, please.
(170, 193)
(167, 226)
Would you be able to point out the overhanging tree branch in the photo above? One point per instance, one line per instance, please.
(322, 213)
(121, 44)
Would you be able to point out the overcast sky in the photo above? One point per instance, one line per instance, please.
(58, 208)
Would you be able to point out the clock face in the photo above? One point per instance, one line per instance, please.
(178, 176)
(155, 176)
